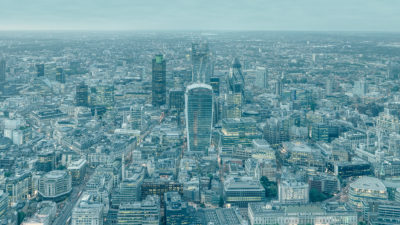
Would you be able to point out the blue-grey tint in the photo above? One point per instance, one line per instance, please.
(320, 15)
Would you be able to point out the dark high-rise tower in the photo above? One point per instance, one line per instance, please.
(198, 112)
(2, 70)
(40, 70)
(159, 83)
(60, 75)
(82, 95)
(234, 99)
(235, 77)
(177, 99)
(202, 68)
(214, 82)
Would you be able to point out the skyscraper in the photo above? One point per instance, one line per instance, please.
(60, 75)
(278, 87)
(177, 99)
(158, 81)
(215, 83)
(198, 111)
(136, 117)
(234, 98)
(40, 70)
(235, 77)
(102, 95)
(202, 68)
(82, 95)
(2, 70)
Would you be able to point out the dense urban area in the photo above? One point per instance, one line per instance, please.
(199, 128)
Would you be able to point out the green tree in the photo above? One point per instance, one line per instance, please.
(271, 188)
(20, 217)
(221, 202)
(317, 196)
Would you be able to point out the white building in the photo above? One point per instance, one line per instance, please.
(292, 192)
(88, 211)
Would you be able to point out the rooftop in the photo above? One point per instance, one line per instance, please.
(370, 183)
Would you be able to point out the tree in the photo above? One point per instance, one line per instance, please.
(221, 202)
(317, 196)
(20, 217)
(271, 188)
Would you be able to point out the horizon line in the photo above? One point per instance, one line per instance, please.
(196, 30)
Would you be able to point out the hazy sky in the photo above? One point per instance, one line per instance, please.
(316, 15)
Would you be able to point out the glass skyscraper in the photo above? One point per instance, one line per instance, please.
(40, 70)
(198, 111)
(234, 99)
(2, 70)
(82, 95)
(159, 81)
(202, 68)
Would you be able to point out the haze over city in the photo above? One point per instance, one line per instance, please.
(305, 15)
(187, 112)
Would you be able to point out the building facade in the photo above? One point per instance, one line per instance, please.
(199, 111)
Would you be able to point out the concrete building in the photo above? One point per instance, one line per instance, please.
(140, 213)
(88, 211)
(239, 191)
(44, 216)
(175, 209)
(55, 185)
(293, 192)
(77, 170)
(364, 189)
(331, 213)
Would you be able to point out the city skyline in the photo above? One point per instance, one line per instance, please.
(223, 112)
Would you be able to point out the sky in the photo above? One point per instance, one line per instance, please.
(276, 15)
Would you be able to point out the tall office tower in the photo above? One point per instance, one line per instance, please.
(82, 95)
(136, 117)
(360, 88)
(234, 98)
(198, 112)
(261, 77)
(278, 87)
(60, 75)
(233, 105)
(177, 99)
(102, 95)
(159, 81)
(3, 203)
(329, 86)
(88, 211)
(2, 70)
(393, 71)
(40, 70)
(235, 77)
(218, 109)
(214, 82)
(202, 68)
(75, 67)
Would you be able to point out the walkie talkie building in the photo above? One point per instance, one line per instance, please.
(198, 111)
